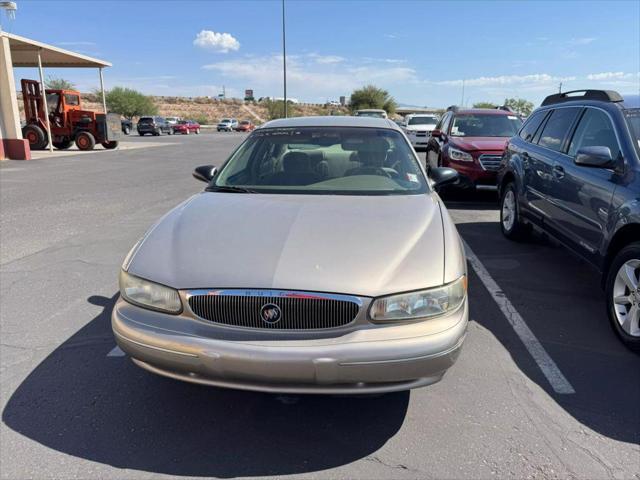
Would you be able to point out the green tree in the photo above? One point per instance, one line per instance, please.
(373, 97)
(484, 105)
(520, 106)
(275, 109)
(58, 84)
(130, 103)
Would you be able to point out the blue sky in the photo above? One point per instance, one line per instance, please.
(420, 51)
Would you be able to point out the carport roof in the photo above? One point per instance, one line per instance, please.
(24, 53)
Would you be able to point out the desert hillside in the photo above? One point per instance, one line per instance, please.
(208, 110)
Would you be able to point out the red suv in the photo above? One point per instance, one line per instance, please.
(472, 142)
(186, 127)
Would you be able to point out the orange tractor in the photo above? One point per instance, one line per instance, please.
(69, 122)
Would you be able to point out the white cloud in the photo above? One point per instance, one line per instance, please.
(582, 41)
(536, 79)
(219, 42)
(611, 76)
(309, 79)
(326, 59)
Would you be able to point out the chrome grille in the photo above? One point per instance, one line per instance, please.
(490, 163)
(299, 310)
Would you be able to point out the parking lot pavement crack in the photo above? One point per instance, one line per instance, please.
(397, 466)
(611, 470)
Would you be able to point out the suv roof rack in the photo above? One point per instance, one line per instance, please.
(601, 95)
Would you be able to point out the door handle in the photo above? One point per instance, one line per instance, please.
(558, 171)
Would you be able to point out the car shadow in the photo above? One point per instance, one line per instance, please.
(560, 298)
(82, 402)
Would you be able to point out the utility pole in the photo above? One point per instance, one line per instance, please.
(560, 88)
(284, 61)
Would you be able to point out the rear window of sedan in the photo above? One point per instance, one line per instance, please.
(324, 160)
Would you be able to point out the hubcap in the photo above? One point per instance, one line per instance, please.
(626, 297)
(508, 210)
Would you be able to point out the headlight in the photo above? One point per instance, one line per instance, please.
(148, 294)
(421, 304)
(459, 155)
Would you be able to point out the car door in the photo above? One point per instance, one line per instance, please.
(541, 159)
(435, 144)
(583, 199)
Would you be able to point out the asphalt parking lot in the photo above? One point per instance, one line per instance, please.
(542, 389)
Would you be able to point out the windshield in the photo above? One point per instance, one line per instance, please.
(323, 160)
(423, 121)
(485, 125)
(182, 122)
(371, 114)
(225, 120)
(633, 119)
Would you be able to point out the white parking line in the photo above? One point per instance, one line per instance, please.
(116, 352)
(555, 377)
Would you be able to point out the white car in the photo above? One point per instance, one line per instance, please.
(173, 120)
(418, 128)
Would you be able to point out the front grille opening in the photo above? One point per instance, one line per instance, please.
(296, 313)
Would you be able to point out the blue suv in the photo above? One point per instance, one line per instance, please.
(573, 171)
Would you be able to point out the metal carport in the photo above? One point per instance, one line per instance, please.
(16, 51)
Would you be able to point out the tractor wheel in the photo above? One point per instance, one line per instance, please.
(110, 145)
(36, 136)
(64, 144)
(85, 141)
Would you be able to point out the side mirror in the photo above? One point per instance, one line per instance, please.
(436, 133)
(205, 173)
(443, 176)
(598, 157)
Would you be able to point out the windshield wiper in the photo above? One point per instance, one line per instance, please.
(230, 189)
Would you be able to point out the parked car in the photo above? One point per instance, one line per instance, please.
(230, 288)
(418, 128)
(173, 120)
(227, 125)
(371, 112)
(126, 125)
(573, 171)
(186, 127)
(245, 126)
(154, 126)
(472, 142)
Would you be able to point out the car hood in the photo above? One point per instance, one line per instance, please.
(427, 126)
(479, 143)
(362, 245)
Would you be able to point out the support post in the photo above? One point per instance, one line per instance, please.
(284, 61)
(44, 102)
(104, 100)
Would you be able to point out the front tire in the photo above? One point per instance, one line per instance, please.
(622, 288)
(85, 141)
(510, 222)
(36, 136)
(197, 131)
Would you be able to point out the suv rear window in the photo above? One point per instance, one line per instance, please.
(556, 129)
(146, 120)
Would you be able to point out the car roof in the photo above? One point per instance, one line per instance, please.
(484, 111)
(332, 121)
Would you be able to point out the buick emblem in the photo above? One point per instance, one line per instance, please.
(270, 313)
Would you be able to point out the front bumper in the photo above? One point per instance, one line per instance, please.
(374, 360)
